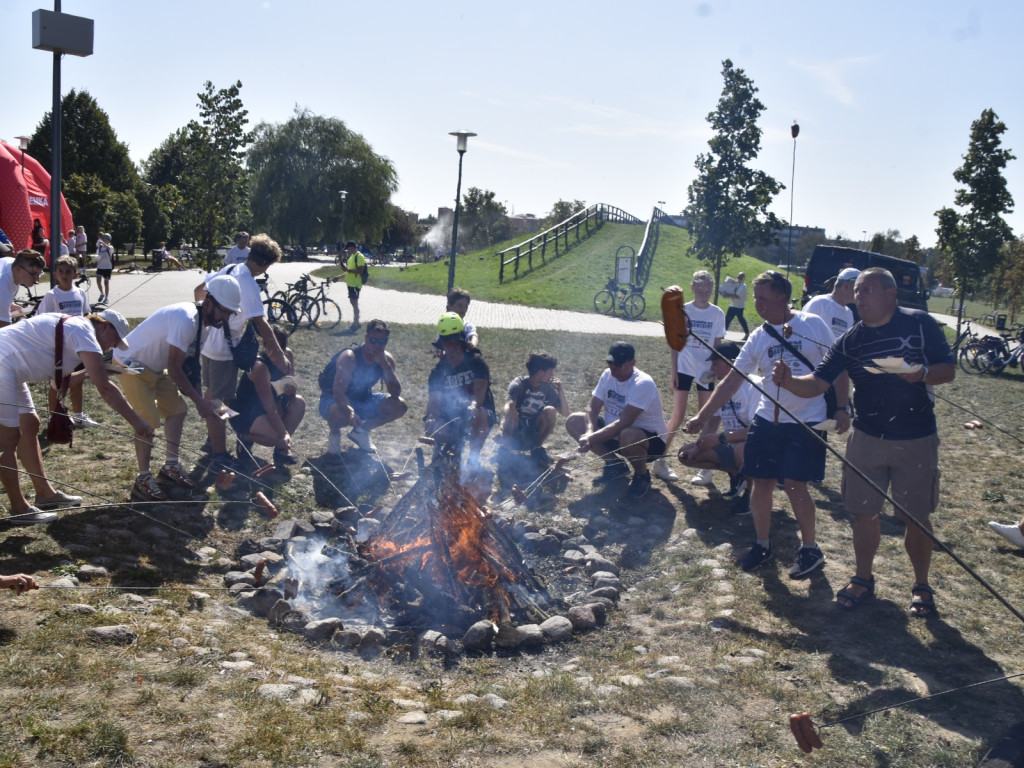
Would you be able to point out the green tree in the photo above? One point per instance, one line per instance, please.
(972, 239)
(399, 233)
(124, 218)
(213, 184)
(562, 210)
(88, 144)
(483, 220)
(1008, 279)
(912, 250)
(728, 201)
(88, 198)
(298, 170)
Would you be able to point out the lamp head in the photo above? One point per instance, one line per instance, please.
(462, 139)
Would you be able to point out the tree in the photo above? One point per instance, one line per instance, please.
(399, 233)
(484, 220)
(971, 240)
(912, 250)
(124, 218)
(562, 210)
(88, 144)
(728, 201)
(298, 170)
(1008, 280)
(88, 199)
(213, 183)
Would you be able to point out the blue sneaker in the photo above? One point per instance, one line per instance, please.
(756, 557)
(808, 560)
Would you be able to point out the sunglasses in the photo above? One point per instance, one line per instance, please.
(380, 340)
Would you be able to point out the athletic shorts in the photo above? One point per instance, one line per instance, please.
(783, 452)
(907, 469)
(15, 399)
(104, 273)
(365, 409)
(153, 396)
(655, 443)
(685, 382)
(220, 378)
(353, 293)
(726, 456)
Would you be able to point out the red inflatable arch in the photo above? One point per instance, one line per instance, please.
(24, 197)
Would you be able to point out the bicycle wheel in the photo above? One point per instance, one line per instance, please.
(975, 358)
(307, 310)
(280, 311)
(330, 315)
(635, 305)
(604, 302)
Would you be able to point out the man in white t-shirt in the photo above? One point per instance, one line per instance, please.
(706, 322)
(23, 269)
(721, 442)
(633, 424)
(161, 345)
(779, 448)
(81, 248)
(834, 309)
(737, 303)
(239, 252)
(220, 374)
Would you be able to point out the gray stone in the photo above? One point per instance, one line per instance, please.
(603, 579)
(302, 682)
(264, 600)
(558, 533)
(466, 698)
(347, 514)
(373, 638)
(273, 559)
(365, 528)
(494, 701)
(557, 628)
(294, 621)
(239, 577)
(118, 634)
(412, 718)
(279, 691)
(346, 638)
(582, 618)
(285, 529)
(90, 572)
(600, 611)
(508, 637)
(76, 609)
(409, 704)
(64, 582)
(447, 714)
(532, 635)
(237, 666)
(542, 544)
(609, 593)
(271, 544)
(596, 563)
(480, 636)
(221, 564)
(323, 629)
(574, 556)
(631, 680)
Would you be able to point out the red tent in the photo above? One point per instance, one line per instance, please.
(24, 197)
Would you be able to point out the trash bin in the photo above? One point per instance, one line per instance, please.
(157, 256)
(1000, 322)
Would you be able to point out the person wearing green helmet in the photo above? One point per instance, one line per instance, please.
(460, 404)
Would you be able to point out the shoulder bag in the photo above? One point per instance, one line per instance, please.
(59, 428)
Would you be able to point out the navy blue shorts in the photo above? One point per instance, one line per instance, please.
(783, 452)
(684, 383)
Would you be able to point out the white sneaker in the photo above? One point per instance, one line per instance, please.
(662, 470)
(334, 445)
(703, 477)
(82, 421)
(1009, 532)
(361, 438)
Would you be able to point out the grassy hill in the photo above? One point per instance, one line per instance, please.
(569, 282)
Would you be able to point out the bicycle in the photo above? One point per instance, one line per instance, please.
(627, 298)
(28, 306)
(311, 303)
(992, 354)
(278, 309)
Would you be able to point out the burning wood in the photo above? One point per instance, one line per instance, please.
(440, 556)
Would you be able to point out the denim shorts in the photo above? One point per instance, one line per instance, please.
(365, 409)
(783, 452)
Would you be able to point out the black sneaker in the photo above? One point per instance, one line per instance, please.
(639, 486)
(756, 557)
(612, 472)
(741, 507)
(737, 487)
(808, 560)
(217, 461)
(540, 455)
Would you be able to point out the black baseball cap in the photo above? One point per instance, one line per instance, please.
(620, 352)
(726, 349)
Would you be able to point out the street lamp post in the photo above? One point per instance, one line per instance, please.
(795, 131)
(462, 140)
(341, 243)
(22, 145)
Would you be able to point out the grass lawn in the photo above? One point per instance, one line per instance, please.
(700, 664)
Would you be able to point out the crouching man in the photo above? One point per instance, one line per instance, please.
(533, 404)
(721, 442)
(347, 398)
(633, 422)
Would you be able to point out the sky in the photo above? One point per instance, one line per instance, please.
(604, 102)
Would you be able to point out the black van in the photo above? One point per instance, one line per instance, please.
(827, 261)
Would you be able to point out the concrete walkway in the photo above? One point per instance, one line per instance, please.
(140, 294)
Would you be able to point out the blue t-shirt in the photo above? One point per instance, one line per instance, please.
(887, 406)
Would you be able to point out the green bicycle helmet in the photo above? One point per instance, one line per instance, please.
(450, 326)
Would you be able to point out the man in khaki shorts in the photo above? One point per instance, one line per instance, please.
(162, 346)
(894, 440)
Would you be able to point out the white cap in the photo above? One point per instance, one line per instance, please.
(117, 320)
(225, 290)
(848, 274)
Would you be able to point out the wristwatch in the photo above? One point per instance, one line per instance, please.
(845, 408)
(722, 439)
(924, 374)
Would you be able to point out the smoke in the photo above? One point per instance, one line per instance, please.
(439, 236)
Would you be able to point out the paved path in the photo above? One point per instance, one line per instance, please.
(140, 294)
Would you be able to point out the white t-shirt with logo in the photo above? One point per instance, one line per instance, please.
(740, 409)
(27, 347)
(837, 317)
(638, 390)
(216, 346)
(813, 338)
(8, 288)
(73, 302)
(708, 324)
(236, 255)
(150, 342)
